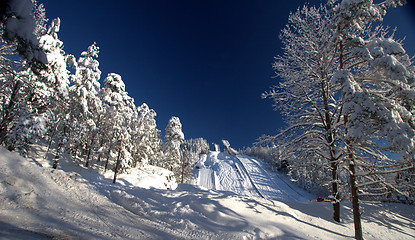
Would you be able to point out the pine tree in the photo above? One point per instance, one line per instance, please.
(120, 112)
(191, 151)
(19, 26)
(147, 140)
(86, 102)
(173, 140)
(14, 74)
(50, 96)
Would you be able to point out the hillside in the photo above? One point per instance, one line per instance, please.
(246, 176)
(37, 202)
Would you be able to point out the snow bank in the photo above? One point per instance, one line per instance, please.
(76, 203)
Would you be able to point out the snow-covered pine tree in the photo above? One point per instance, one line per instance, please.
(277, 159)
(49, 97)
(86, 103)
(119, 114)
(191, 150)
(18, 25)
(197, 146)
(14, 76)
(46, 95)
(10, 92)
(147, 140)
(173, 140)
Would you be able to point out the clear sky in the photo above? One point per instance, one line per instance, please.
(204, 61)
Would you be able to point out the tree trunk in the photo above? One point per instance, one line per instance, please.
(334, 176)
(358, 233)
(89, 153)
(59, 148)
(118, 162)
(87, 158)
(183, 165)
(330, 138)
(109, 152)
(101, 143)
(108, 156)
(336, 203)
(50, 144)
(355, 201)
(47, 151)
(333, 160)
(106, 162)
(7, 115)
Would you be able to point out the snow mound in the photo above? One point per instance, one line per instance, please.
(146, 177)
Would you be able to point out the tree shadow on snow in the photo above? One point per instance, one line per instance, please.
(294, 205)
(182, 208)
(9, 231)
(393, 216)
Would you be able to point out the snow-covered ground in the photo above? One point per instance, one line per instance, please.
(38, 202)
(246, 176)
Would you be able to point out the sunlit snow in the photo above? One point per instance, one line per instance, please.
(38, 202)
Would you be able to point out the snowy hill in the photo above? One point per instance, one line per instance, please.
(37, 202)
(246, 176)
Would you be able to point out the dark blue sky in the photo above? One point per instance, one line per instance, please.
(204, 61)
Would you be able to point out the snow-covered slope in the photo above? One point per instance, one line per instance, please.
(37, 202)
(246, 176)
(270, 184)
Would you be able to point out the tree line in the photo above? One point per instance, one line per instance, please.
(52, 99)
